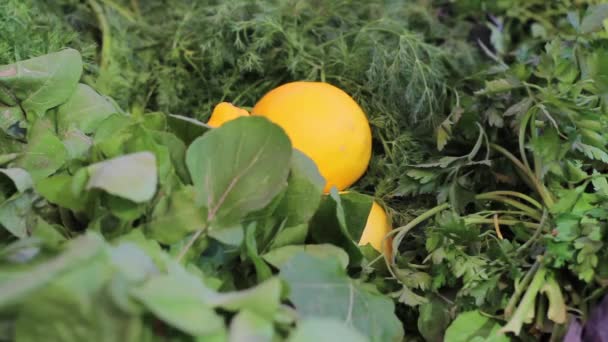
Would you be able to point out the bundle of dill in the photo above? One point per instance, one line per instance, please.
(395, 57)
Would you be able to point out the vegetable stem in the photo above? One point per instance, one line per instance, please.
(190, 242)
(539, 187)
(527, 303)
(532, 212)
(106, 37)
(476, 220)
(515, 194)
(520, 290)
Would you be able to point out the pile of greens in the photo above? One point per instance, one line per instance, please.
(125, 218)
(149, 227)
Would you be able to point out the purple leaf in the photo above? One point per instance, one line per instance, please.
(575, 330)
(596, 328)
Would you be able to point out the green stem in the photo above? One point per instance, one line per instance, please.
(539, 187)
(531, 211)
(536, 234)
(515, 194)
(475, 220)
(106, 38)
(190, 242)
(527, 303)
(401, 231)
(538, 165)
(520, 290)
(522, 137)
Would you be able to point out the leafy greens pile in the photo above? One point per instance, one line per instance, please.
(76, 168)
(142, 224)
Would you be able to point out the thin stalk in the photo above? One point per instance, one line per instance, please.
(527, 303)
(401, 231)
(520, 290)
(475, 220)
(106, 38)
(531, 211)
(538, 165)
(190, 242)
(536, 233)
(515, 194)
(522, 137)
(539, 187)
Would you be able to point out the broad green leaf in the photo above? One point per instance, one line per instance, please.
(43, 82)
(84, 111)
(263, 300)
(57, 314)
(131, 176)
(262, 270)
(247, 326)
(186, 128)
(320, 288)
(175, 216)
(177, 152)
(112, 134)
(180, 302)
(340, 221)
(433, 318)
(58, 190)
(19, 177)
(238, 168)
(132, 261)
(16, 286)
(295, 235)
(16, 212)
(142, 139)
(304, 190)
(280, 256)
(149, 246)
(44, 153)
(356, 211)
(473, 326)
(325, 330)
(594, 18)
(10, 121)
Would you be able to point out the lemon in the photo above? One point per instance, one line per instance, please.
(224, 112)
(324, 123)
(376, 228)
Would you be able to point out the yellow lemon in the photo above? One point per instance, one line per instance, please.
(376, 228)
(326, 124)
(224, 112)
